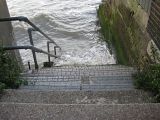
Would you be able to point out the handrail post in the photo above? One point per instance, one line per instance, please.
(33, 51)
(55, 52)
(48, 48)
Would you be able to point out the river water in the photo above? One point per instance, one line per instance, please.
(71, 23)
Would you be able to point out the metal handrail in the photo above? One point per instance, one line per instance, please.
(28, 47)
(34, 49)
(32, 43)
(30, 30)
(25, 19)
(48, 48)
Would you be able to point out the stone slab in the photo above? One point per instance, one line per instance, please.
(12, 111)
(76, 97)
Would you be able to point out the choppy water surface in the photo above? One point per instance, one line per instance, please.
(71, 23)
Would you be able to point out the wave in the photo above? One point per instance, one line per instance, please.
(92, 56)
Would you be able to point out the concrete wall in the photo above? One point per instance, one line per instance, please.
(148, 20)
(6, 34)
(6, 31)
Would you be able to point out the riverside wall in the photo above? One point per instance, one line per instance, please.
(126, 22)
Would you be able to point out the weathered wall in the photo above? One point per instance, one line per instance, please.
(141, 16)
(129, 37)
(6, 31)
(147, 15)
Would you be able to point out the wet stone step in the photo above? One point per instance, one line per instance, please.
(80, 74)
(86, 70)
(83, 67)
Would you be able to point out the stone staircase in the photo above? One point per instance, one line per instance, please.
(79, 93)
(69, 78)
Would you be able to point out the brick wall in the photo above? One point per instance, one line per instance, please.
(153, 27)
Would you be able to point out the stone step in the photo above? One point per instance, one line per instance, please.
(90, 70)
(72, 87)
(87, 68)
(78, 73)
(107, 68)
(105, 77)
(80, 83)
(77, 82)
(32, 111)
(90, 67)
(76, 78)
(98, 73)
(84, 80)
(76, 97)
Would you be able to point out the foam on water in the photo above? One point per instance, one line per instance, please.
(71, 23)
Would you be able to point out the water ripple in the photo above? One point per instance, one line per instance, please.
(71, 23)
